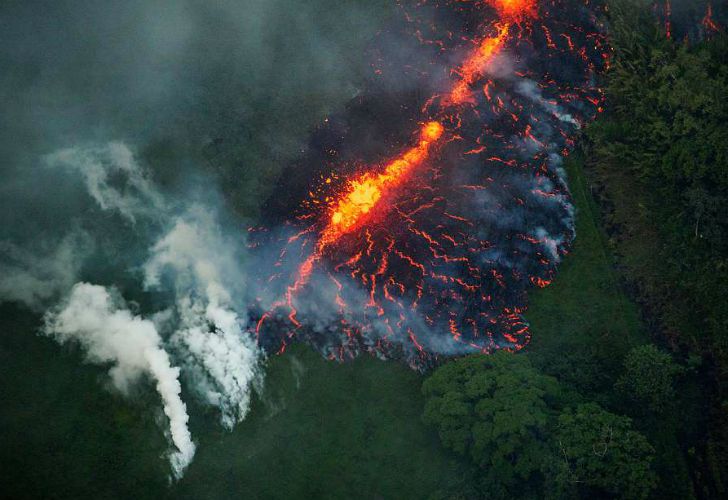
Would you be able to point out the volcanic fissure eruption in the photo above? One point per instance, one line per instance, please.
(472, 68)
(431, 252)
(365, 192)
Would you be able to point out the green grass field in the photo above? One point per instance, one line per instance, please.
(326, 430)
(583, 323)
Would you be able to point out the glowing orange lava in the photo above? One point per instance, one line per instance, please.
(364, 192)
(708, 22)
(352, 208)
(513, 9)
(474, 66)
(362, 195)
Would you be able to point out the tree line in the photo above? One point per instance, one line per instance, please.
(529, 435)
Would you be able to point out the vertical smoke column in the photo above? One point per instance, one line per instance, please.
(111, 334)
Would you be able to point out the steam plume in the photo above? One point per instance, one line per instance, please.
(221, 354)
(197, 261)
(135, 196)
(110, 333)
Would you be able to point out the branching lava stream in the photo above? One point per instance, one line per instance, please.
(431, 252)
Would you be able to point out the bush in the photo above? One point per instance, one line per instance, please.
(649, 378)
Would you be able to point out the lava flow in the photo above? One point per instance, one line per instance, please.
(513, 10)
(472, 69)
(431, 252)
(367, 190)
(363, 194)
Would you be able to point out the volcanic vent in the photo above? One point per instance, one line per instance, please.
(438, 197)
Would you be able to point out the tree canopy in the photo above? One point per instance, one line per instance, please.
(665, 123)
(648, 378)
(509, 420)
(496, 410)
(600, 451)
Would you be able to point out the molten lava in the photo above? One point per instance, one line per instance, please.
(513, 10)
(365, 191)
(708, 22)
(349, 209)
(474, 66)
(431, 252)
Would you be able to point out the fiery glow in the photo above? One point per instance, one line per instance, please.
(474, 66)
(362, 195)
(708, 22)
(513, 9)
(365, 192)
(431, 251)
(349, 210)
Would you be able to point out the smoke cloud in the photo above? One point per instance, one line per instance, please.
(111, 334)
(141, 136)
(189, 256)
(36, 279)
(212, 337)
(132, 197)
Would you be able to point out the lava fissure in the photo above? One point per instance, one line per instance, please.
(432, 252)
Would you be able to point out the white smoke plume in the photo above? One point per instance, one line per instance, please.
(197, 261)
(113, 178)
(110, 333)
(530, 89)
(550, 243)
(218, 350)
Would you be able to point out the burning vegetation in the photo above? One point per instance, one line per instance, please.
(430, 251)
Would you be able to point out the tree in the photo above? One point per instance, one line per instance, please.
(664, 131)
(496, 410)
(600, 452)
(648, 377)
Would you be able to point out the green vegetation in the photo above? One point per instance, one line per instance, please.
(584, 324)
(602, 454)
(659, 158)
(494, 409)
(665, 134)
(515, 425)
(651, 194)
(649, 378)
(325, 430)
(320, 430)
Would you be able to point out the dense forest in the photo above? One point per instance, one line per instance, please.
(647, 418)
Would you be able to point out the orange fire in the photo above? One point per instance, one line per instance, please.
(364, 192)
(474, 66)
(349, 211)
(708, 21)
(513, 9)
